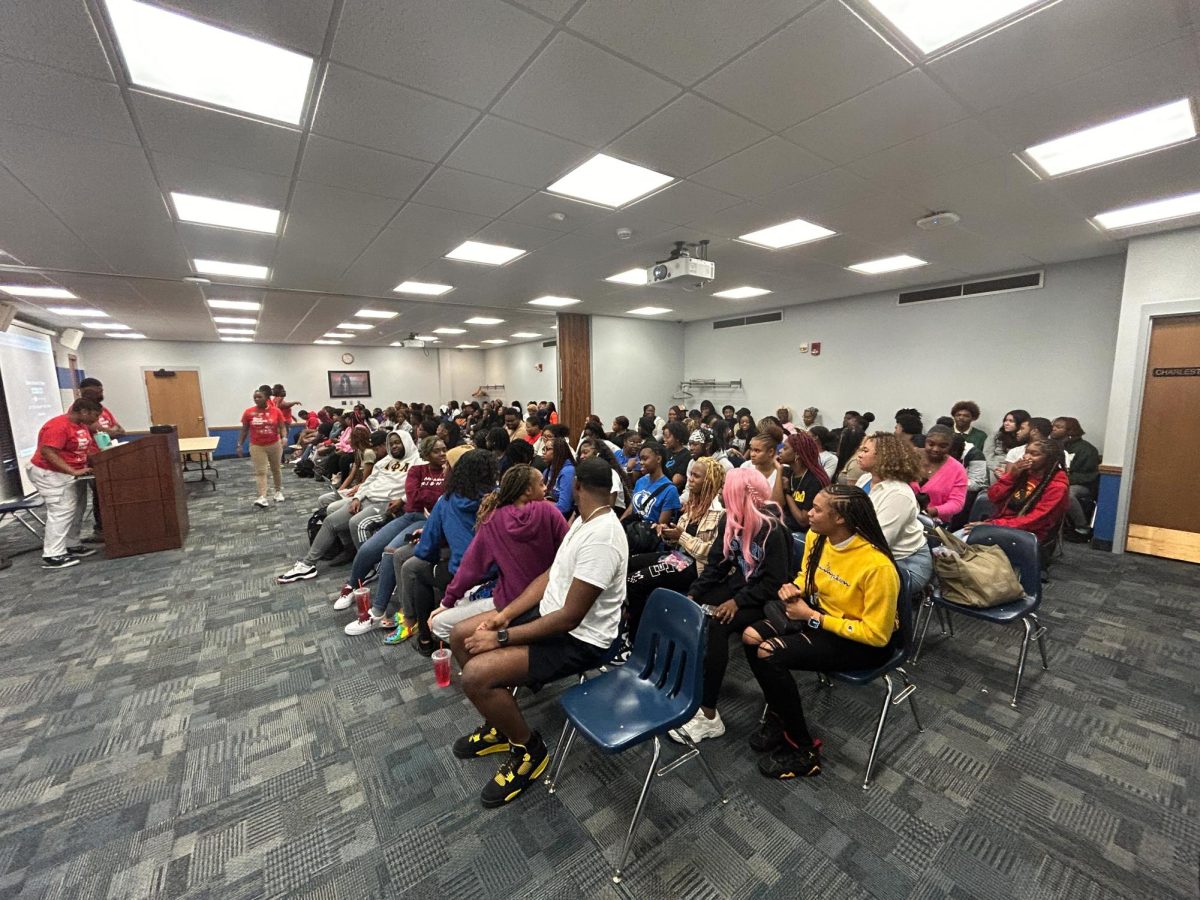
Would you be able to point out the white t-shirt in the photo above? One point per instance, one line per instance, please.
(596, 552)
(618, 491)
(1014, 454)
(828, 462)
(771, 479)
(896, 508)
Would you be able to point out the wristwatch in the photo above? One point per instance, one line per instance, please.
(502, 637)
(815, 622)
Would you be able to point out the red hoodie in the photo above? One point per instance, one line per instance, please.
(1045, 515)
(422, 487)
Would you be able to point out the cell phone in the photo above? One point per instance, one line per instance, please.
(708, 609)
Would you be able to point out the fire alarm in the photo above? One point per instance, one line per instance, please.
(537, 366)
(803, 348)
(816, 348)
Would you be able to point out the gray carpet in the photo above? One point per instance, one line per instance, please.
(177, 725)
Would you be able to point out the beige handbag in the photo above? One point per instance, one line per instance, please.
(976, 575)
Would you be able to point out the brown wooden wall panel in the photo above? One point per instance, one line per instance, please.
(574, 370)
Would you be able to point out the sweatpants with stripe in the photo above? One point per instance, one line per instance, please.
(65, 497)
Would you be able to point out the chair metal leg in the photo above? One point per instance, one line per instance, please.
(637, 812)
(1040, 636)
(708, 770)
(563, 747)
(29, 527)
(927, 608)
(887, 702)
(943, 618)
(909, 690)
(762, 717)
(1025, 638)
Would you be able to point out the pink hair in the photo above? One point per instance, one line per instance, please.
(748, 507)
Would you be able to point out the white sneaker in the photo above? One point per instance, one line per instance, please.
(262, 503)
(279, 496)
(345, 599)
(357, 627)
(299, 572)
(700, 727)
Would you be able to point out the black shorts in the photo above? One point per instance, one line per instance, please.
(559, 656)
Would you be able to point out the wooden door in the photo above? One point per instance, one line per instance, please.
(175, 400)
(1164, 506)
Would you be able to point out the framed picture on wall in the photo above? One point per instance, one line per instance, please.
(349, 385)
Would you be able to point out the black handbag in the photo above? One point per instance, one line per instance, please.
(314, 524)
(640, 534)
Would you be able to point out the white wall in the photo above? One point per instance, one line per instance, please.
(1049, 351)
(515, 367)
(634, 362)
(1159, 268)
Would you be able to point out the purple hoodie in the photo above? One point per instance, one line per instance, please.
(519, 542)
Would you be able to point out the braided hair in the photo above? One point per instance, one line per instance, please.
(808, 454)
(712, 479)
(600, 451)
(853, 505)
(513, 485)
(1053, 452)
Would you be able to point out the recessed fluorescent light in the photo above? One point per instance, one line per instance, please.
(525, 334)
(235, 331)
(649, 311)
(233, 270)
(482, 320)
(115, 326)
(180, 55)
(933, 24)
(83, 312)
(424, 288)
(608, 181)
(554, 301)
(487, 254)
(887, 264)
(468, 346)
(244, 305)
(355, 326)
(37, 292)
(376, 314)
(323, 341)
(131, 335)
(631, 276)
(338, 334)
(426, 337)
(238, 340)
(1154, 211)
(449, 331)
(225, 213)
(496, 341)
(787, 234)
(1119, 139)
(742, 293)
(234, 320)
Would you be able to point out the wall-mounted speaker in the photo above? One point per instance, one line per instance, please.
(7, 311)
(70, 338)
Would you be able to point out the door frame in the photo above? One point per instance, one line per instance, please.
(1146, 315)
(146, 394)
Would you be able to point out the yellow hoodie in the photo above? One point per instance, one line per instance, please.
(856, 588)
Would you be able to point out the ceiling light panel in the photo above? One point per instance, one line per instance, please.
(1154, 211)
(323, 341)
(235, 331)
(422, 288)
(495, 341)
(355, 326)
(113, 326)
(83, 312)
(234, 320)
(887, 264)
(224, 213)
(131, 335)
(1151, 129)
(166, 51)
(426, 337)
(609, 182)
(449, 331)
(37, 292)
(242, 305)
(230, 269)
(934, 24)
(376, 314)
(649, 311)
(338, 334)
(238, 340)
(482, 320)
(525, 334)
(787, 234)
(631, 276)
(742, 293)
(550, 300)
(468, 346)
(484, 254)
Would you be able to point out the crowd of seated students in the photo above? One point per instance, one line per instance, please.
(497, 529)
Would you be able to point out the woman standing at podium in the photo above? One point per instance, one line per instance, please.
(267, 429)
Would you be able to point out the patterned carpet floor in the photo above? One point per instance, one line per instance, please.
(178, 725)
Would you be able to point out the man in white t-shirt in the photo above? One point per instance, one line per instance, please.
(564, 623)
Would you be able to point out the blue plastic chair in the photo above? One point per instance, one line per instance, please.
(1021, 548)
(656, 690)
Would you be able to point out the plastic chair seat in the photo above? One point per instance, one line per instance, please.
(620, 710)
(1005, 612)
(865, 676)
(11, 506)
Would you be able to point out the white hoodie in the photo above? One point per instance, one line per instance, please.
(386, 481)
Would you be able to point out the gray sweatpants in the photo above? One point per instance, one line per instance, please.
(342, 528)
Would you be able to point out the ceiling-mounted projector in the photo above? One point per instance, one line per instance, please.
(688, 263)
(412, 343)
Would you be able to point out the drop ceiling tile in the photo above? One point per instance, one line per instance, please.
(968, 252)
(512, 152)
(210, 179)
(763, 169)
(467, 192)
(362, 169)
(515, 234)
(552, 9)
(955, 146)
(687, 46)
(577, 91)
(1063, 41)
(466, 50)
(685, 201)
(363, 109)
(48, 98)
(537, 209)
(296, 24)
(205, 242)
(170, 126)
(31, 233)
(1174, 170)
(61, 34)
(686, 136)
(826, 57)
(906, 107)
(815, 197)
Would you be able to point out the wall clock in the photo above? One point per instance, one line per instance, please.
(348, 358)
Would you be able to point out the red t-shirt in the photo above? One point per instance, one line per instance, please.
(107, 420)
(71, 440)
(313, 421)
(263, 425)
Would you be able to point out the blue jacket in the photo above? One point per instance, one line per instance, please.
(562, 492)
(451, 521)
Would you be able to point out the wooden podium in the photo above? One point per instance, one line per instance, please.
(142, 501)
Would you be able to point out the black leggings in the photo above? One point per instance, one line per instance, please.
(716, 653)
(645, 575)
(810, 650)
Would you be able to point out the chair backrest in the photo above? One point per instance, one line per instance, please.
(982, 508)
(669, 650)
(1021, 548)
(904, 613)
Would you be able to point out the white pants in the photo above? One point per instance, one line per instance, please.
(66, 501)
(463, 609)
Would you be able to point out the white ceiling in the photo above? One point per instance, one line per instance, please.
(433, 122)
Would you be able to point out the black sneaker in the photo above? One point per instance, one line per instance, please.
(59, 562)
(525, 764)
(788, 762)
(480, 742)
(81, 551)
(96, 537)
(769, 735)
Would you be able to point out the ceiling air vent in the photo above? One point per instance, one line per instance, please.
(756, 319)
(1027, 281)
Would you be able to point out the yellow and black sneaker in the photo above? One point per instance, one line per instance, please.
(483, 740)
(524, 765)
(789, 762)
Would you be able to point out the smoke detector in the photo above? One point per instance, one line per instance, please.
(938, 220)
(624, 234)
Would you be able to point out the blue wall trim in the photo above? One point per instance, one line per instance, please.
(1106, 507)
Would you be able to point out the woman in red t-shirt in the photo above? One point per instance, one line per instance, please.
(267, 429)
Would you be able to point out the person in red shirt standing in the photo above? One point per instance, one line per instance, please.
(92, 389)
(267, 430)
(59, 462)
